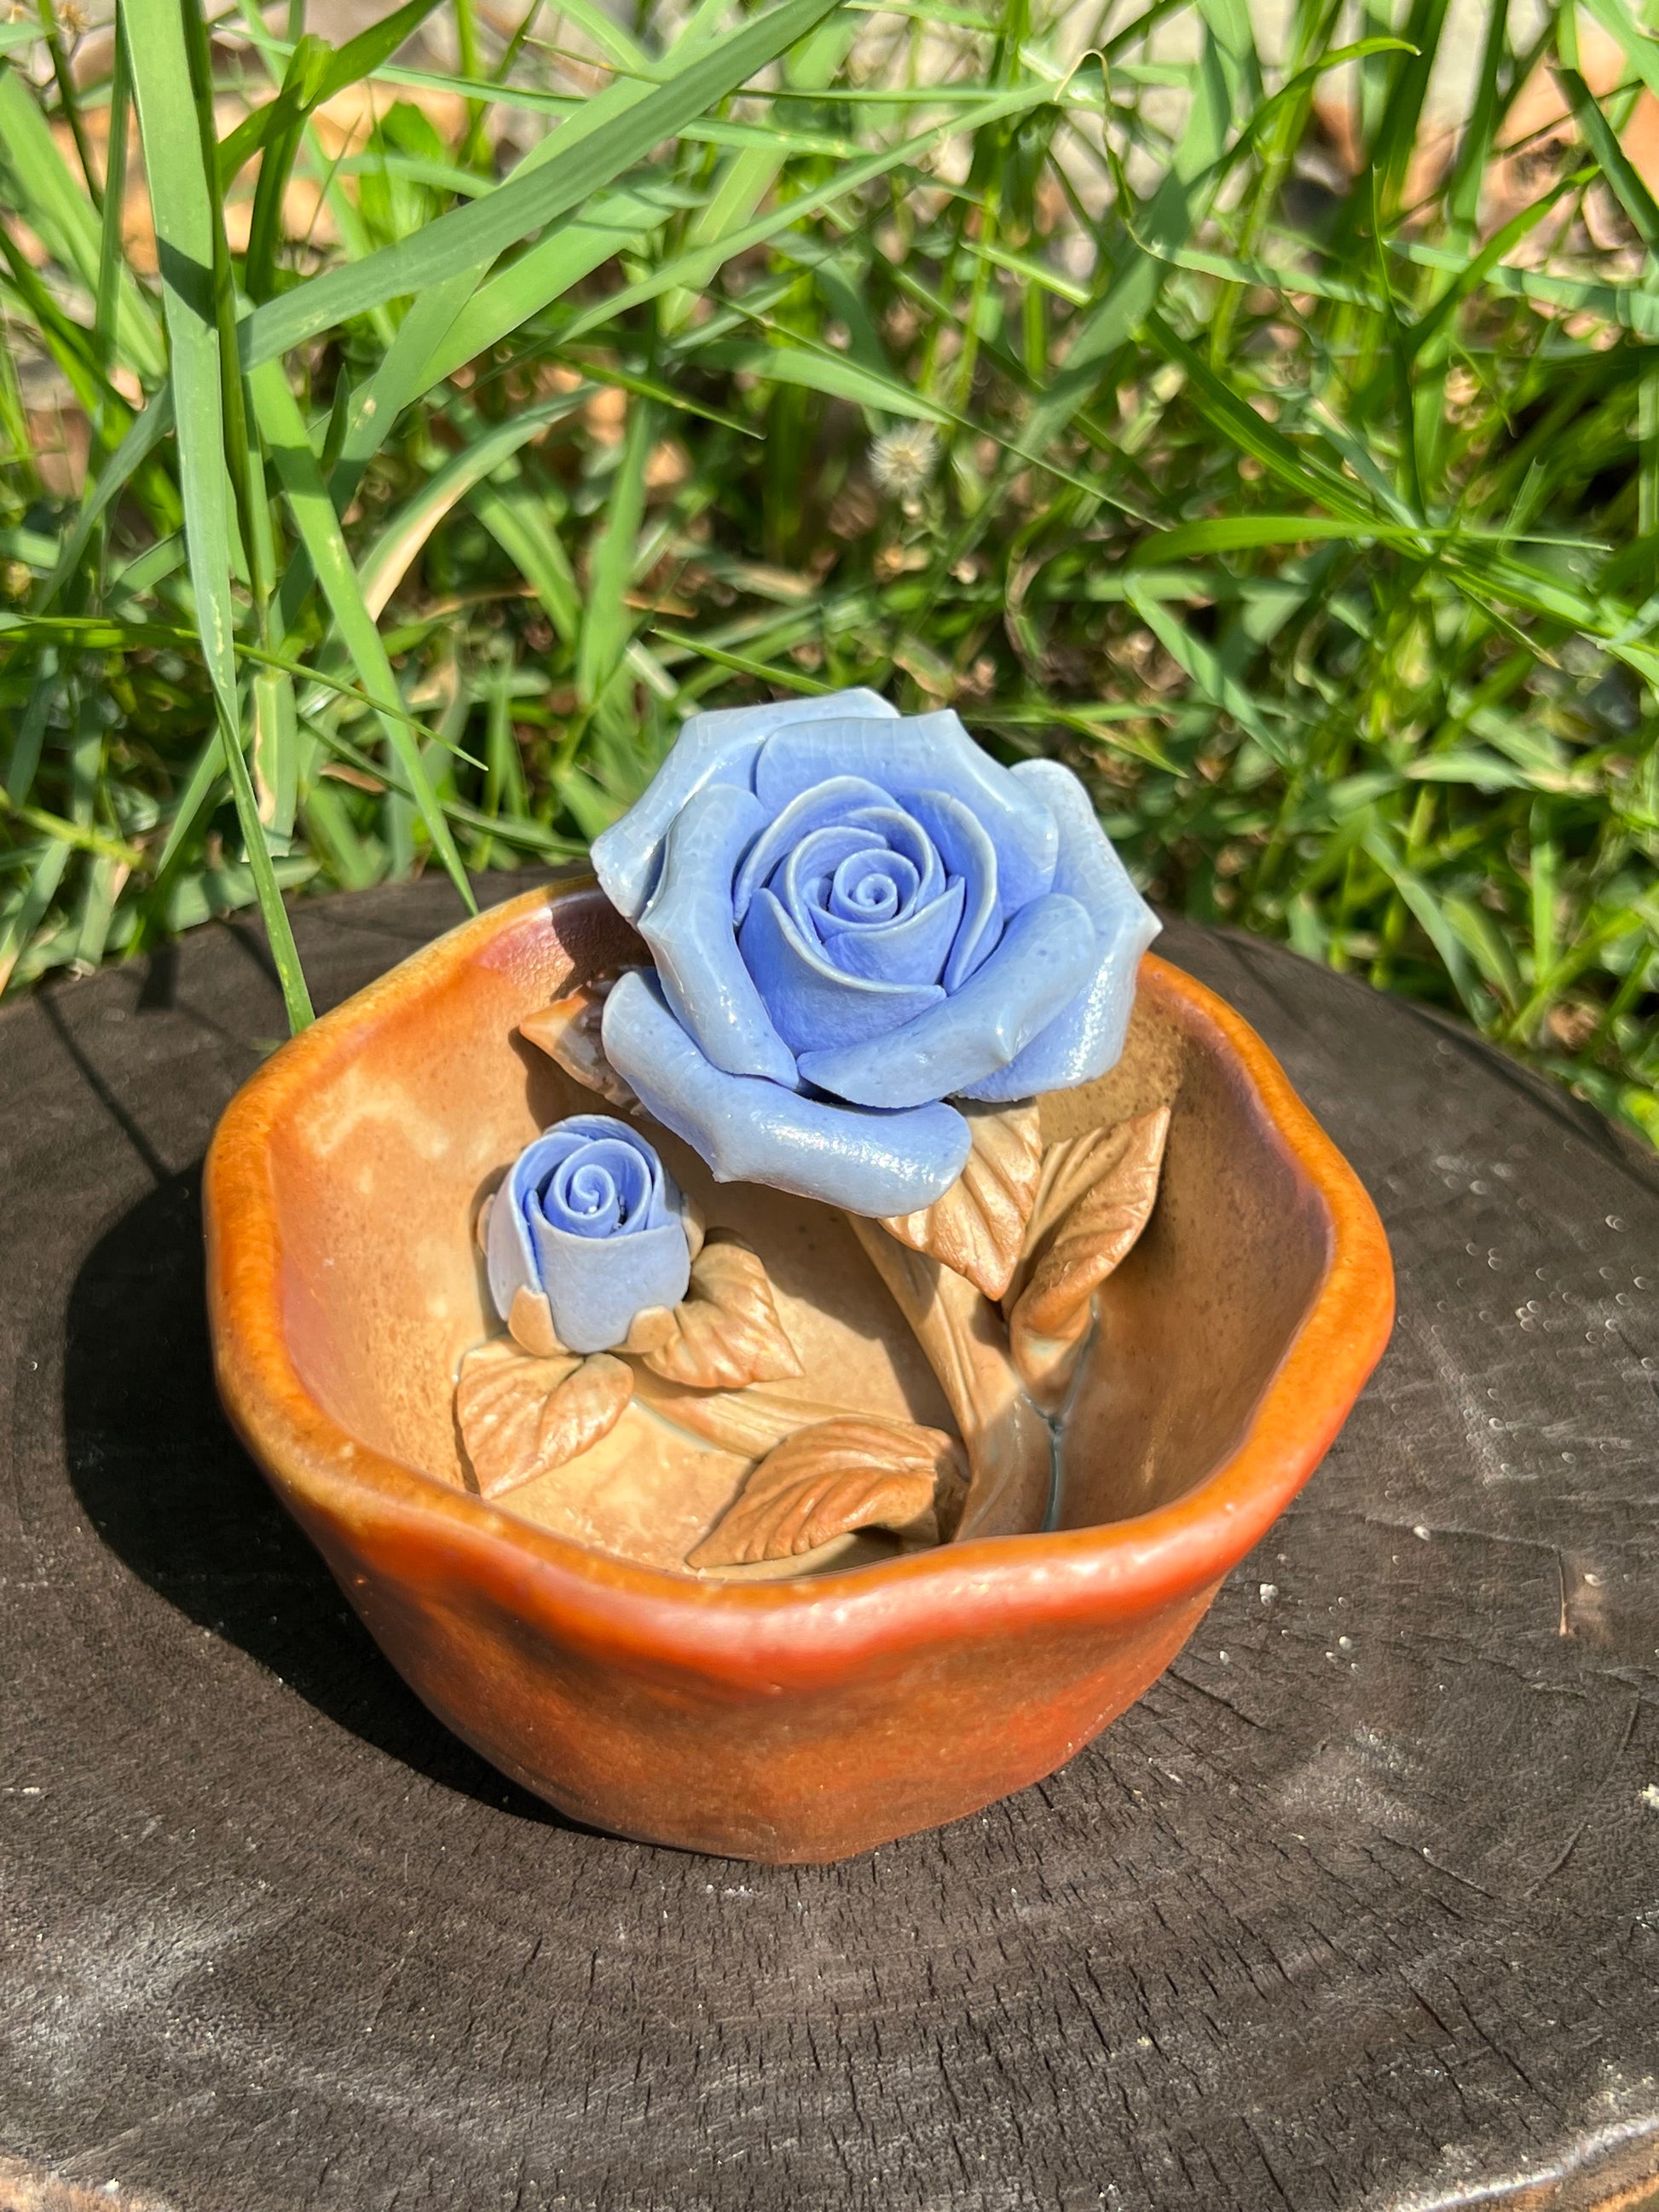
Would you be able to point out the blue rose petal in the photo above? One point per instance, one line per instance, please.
(589, 1215)
(721, 745)
(750, 1131)
(1087, 1039)
(918, 753)
(1046, 956)
(814, 864)
(912, 950)
(814, 1002)
(856, 917)
(687, 926)
(870, 890)
(834, 803)
(972, 857)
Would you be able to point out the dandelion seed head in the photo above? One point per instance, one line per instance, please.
(902, 460)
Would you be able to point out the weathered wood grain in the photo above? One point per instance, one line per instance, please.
(1358, 1911)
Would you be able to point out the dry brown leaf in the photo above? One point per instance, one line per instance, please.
(521, 1417)
(1097, 1198)
(825, 1481)
(569, 1032)
(978, 1228)
(26, 2187)
(726, 1330)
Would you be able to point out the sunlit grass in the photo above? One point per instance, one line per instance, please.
(1291, 471)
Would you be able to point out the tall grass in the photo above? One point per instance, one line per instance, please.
(1203, 417)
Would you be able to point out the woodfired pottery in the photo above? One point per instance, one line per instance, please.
(809, 1717)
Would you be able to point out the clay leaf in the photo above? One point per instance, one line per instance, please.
(521, 1417)
(961, 1334)
(1098, 1195)
(978, 1228)
(858, 1472)
(529, 1323)
(725, 1331)
(746, 1422)
(650, 1329)
(567, 1031)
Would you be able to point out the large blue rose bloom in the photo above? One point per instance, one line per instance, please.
(856, 916)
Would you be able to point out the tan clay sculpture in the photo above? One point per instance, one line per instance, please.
(742, 1459)
(996, 1279)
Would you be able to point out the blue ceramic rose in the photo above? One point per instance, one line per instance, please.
(856, 916)
(588, 1215)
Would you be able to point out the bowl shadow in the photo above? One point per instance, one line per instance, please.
(169, 1489)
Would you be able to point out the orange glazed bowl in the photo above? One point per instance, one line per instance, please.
(799, 1719)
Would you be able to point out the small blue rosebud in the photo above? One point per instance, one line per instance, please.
(589, 1215)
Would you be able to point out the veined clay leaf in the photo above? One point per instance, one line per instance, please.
(827, 1480)
(529, 1324)
(521, 1417)
(727, 1332)
(978, 1227)
(1097, 1194)
(567, 1031)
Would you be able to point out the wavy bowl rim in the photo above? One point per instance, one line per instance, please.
(1120, 1569)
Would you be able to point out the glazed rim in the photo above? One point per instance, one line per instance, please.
(801, 1631)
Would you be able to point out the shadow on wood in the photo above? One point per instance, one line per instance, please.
(170, 1492)
(1323, 1925)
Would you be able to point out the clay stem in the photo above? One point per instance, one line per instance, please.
(749, 1423)
(1009, 1442)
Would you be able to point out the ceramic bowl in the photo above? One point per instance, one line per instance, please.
(802, 1719)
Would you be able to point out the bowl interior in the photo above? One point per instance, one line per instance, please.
(1195, 1322)
(379, 1168)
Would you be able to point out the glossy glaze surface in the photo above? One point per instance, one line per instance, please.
(849, 908)
(587, 1219)
(794, 1719)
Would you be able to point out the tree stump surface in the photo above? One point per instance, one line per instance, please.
(1357, 1911)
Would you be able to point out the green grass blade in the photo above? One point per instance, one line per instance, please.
(744, 180)
(30, 910)
(1481, 131)
(35, 178)
(111, 265)
(387, 561)
(616, 130)
(1245, 429)
(362, 56)
(142, 437)
(619, 224)
(1641, 50)
(30, 734)
(1137, 275)
(1230, 534)
(517, 519)
(1623, 179)
(284, 430)
(184, 209)
(835, 375)
(334, 72)
(612, 39)
(1408, 84)
(605, 629)
(1201, 662)
(694, 269)
(280, 145)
